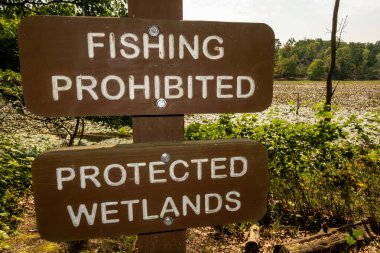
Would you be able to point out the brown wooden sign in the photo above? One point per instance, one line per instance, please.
(91, 192)
(77, 66)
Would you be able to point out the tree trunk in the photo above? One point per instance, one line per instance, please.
(329, 88)
(328, 239)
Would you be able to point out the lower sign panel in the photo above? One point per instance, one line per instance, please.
(83, 193)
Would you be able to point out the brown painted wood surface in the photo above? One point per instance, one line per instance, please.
(162, 128)
(52, 203)
(57, 46)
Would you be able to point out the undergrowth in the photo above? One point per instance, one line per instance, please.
(15, 182)
(323, 171)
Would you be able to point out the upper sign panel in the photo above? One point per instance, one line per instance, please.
(79, 66)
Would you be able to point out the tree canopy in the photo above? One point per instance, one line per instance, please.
(309, 59)
(20, 8)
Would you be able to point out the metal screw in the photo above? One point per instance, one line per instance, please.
(168, 220)
(153, 30)
(165, 158)
(161, 103)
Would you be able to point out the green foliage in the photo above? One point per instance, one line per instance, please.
(21, 8)
(350, 240)
(344, 63)
(222, 129)
(356, 233)
(10, 85)
(355, 61)
(3, 236)
(316, 170)
(8, 43)
(286, 67)
(125, 131)
(353, 237)
(15, 181)
(316, 70)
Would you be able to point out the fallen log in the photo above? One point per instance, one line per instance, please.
(252, 242)
(331, 238)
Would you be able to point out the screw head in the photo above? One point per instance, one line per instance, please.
(161, 103)
(168, 220)
(165, 158)
(153, 31)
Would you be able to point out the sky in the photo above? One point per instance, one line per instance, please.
(297, 19)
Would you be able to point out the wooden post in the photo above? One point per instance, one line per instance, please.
(158, 128)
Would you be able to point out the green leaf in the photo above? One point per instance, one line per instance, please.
(350, 240)
(356, 233)
(3, 235)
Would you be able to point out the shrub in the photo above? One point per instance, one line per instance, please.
(15, 181)
(8, 43)
(316, 169)
(10, 85)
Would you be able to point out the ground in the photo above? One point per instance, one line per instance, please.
(350, 97)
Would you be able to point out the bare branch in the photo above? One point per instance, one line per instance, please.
(342, 26)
